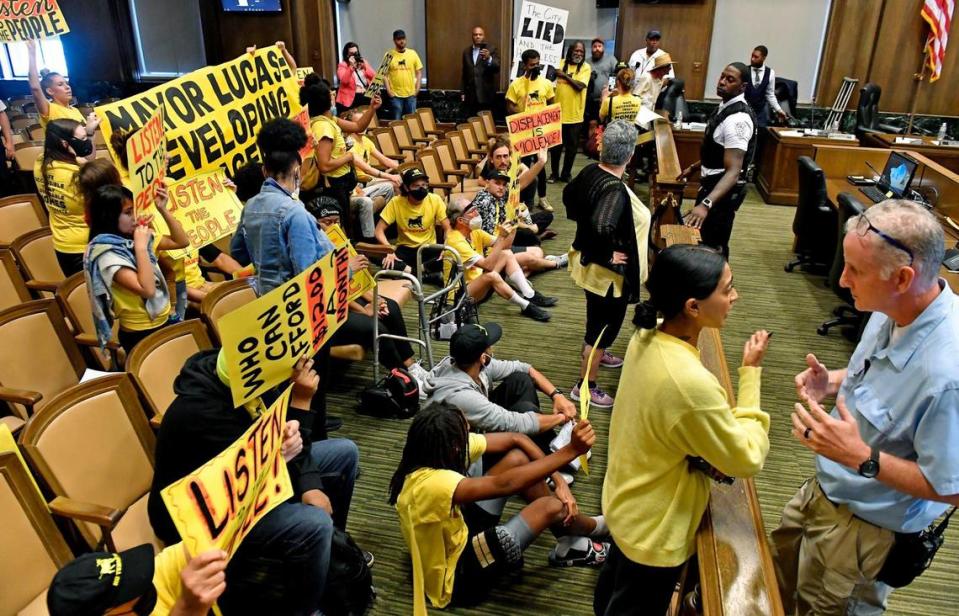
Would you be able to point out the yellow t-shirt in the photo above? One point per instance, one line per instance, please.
(415, 225)
(130, 311)
(64, 204)
(434, 529)
(362, 147)
(402, 72)
(191, 270)
(327, 128)
(623, 107)
(59, 112)
(470, 251)
(525, 93)
(167, 566)
(573, 103)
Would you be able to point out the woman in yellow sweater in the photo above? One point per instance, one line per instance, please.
(676, 412)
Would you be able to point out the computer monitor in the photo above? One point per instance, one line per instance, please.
(252, 6)
(897, 175)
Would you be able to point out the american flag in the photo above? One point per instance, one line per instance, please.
(938, 14)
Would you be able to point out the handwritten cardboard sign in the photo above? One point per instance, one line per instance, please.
(146, 161)
(23, 20)
(536, 130)
(362, 281)
(543, 28)
(206, 208)
(379, 80)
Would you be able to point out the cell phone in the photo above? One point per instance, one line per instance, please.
(611, 83)
(483, 46)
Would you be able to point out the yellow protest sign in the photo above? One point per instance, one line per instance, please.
(584, 395)
(213, 114)
(206, 208)
(512, 196)
(362, 281)
(22, 20)
(379, 80)
(303, 119)
(263, 339)
(535, 130)
(146, 161)
(218, 504)
(9, 444)
(302, 72)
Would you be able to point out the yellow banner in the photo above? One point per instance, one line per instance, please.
(213, 114)
(379, 80)
(22, 20)
(146, 157)
(302, 72)
(263, 339)
(535, 130)
(362, 281)
(206, 208)
(218, 504)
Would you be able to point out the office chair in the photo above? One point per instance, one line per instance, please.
(787, 91)
(815, 222)
(867, 113)
(846, 314)
(673, 99)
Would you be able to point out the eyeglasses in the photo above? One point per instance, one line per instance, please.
(864, 226)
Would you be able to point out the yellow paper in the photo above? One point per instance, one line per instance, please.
(213, 114)
(22, 20)
(218, 504)
(584, 396)
(512, 197)
(302, 72)
(379, 80)
(263, 339)
(206, 208)
(535, 130)
(7, 443)
(362, 281)
(146, 162)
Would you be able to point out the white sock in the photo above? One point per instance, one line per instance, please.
(601, 529)
(520, 282)
(570, 542)
(519, 301)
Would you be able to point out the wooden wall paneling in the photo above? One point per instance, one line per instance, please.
(448, 30)
(227, 35)
(314, 36)
(687, 29)
(848, 48)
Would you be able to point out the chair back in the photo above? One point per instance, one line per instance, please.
(673, 99)
(482, 137)
(427, 117)
(815, 221)
(26, 154)
(13, 290)
(488, 122)
(402, 134)
(38, 259)
(224, 299)
(74, 301)
(40, 355)
(36, 132)
(93, 444)
(460, 149)
(387, 144)
(99, 141)
(787, 91)
(21, 122)
(413, 123)
(17, 137)
(32, 549)
(447, 158)
(156, 361)
(867, 111)
(430, 161)
(18, 215)
(849, 206)
(469, 135)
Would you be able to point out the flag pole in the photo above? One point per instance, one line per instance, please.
(919, 78)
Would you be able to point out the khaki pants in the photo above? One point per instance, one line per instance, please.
(827, 559)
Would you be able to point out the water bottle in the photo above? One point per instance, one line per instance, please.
(679, 121)
(941, 136)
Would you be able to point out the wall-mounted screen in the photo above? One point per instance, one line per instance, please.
(252, 6)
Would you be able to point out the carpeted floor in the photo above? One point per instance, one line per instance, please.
(789, 305)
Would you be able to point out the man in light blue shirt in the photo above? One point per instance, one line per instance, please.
(888, 460)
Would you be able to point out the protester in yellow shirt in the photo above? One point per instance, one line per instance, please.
(58, 89)
(673, 430)
(457, 545)
(404, 75)
(621, 104)
(135, 581)
(376, 187)
(416, 212)
(572, 79)
(487, 259)
(528, 91)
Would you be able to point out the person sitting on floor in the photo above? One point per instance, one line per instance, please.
(484, 257)
(449, 507)
(466, 378)
(498, 158)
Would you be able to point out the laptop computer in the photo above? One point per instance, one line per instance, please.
(895, 179)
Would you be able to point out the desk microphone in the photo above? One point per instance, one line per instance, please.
(874, 170)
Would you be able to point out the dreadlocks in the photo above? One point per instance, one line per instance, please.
(438, 438)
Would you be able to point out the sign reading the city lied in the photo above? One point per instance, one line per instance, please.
(146, 162)
(539, 129)
(218, 504)
(362, 281)
(206, 208)
(263, 339)
(213, 114)
(542, 28)
(379, 80)
(23, 20)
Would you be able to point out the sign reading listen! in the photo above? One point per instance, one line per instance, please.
(23, 20)
(146, 161)
(536, 130)
(206, 208)
(263, 339)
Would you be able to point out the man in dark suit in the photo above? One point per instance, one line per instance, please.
(480, 68)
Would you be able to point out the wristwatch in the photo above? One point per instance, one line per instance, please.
(870, 468)
(707, 203)
(553, 393)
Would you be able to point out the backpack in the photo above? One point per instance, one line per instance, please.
(397, 396)
(594, 143)
(349, 583)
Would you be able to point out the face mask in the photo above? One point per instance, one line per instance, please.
(420, 193)
(82, 147)
(476, 223)
(487, 358)
(296, 183)
(534, 72)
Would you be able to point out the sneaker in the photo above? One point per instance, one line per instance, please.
(369, 558)
(565, 179)
(585, 552)
(543, 301)
(419, 373)
(597, 397)
(333, 423)
(567, 477)
(560, 260)
(608, 360)
(551, 179)
(535, 312)
(545, 205)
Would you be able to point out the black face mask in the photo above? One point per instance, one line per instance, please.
(82, 147)
(420, 193)
(533, 73)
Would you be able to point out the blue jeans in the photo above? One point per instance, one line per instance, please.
(281, 566)
(403, 106)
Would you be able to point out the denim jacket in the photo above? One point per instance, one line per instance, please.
(278, 236)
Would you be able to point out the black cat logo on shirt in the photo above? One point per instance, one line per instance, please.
(416, 223)
(401, 63)
(534, 96)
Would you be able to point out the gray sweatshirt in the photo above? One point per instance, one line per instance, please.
(448, 385)
(604, 69)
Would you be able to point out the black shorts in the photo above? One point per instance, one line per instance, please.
(485, 558)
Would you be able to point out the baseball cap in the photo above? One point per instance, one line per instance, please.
(654, 34)
(498, 174)
(398, 34)
(97, 582)
(471, 341)
(411, 175)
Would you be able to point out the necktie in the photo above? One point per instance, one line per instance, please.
(756, 78)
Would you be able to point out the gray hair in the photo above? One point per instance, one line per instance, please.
(914, 226)
(456, 208)
(619, 141)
